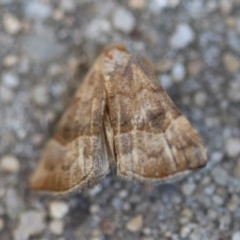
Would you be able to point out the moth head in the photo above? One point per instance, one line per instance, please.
(113, 57)
(120, 47)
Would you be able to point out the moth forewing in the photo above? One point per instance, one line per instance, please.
(76, 156)
(152, 139)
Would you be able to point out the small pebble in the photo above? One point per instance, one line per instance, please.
(187, 212)
(10, 60)
(217, 200)
(234, 41)
(226, 6)
(209, 189)
(42, 47)
(37, 139)
(117, 203)
(165, 81)
(225, 222)
(220, 176)
(40, 95)
(58, 209)
(14, 203)
(135, 224)
(200, 99)
(146, 231)
(123, 194)
(182, 37)
(185, 231)
(31, 223)
(213, 215)
(94, 209)
(163, 65)
(11, 24)
(212, 122)
(56, 227)
(231, 62)
(55, 70)
(216, 157)
(236, 236)
(232, 147)
(24, 65)
(107, 227)
(124, 20)
(10, 80)
(173, 3)
(97, 28)
(37, 9)
(236, 170)
(188, 188)
(157, 5)
(137, 4)
(178, 72)
(234, 90)
(194, 67)
(9, 163)
(231, 22)
(233, 204)
(68, 5)
(6, 94)
(58, 15)
(126, 206)
(95, 190)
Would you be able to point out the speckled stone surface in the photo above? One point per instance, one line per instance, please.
(194, 48)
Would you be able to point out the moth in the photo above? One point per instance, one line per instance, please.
(121, 119)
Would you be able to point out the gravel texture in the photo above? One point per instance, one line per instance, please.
(194, 47)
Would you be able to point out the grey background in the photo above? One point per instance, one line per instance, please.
(194, 48)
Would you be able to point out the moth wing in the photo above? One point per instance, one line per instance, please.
(76, 156)
(152, 139)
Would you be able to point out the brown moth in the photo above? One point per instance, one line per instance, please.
(120, 118)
